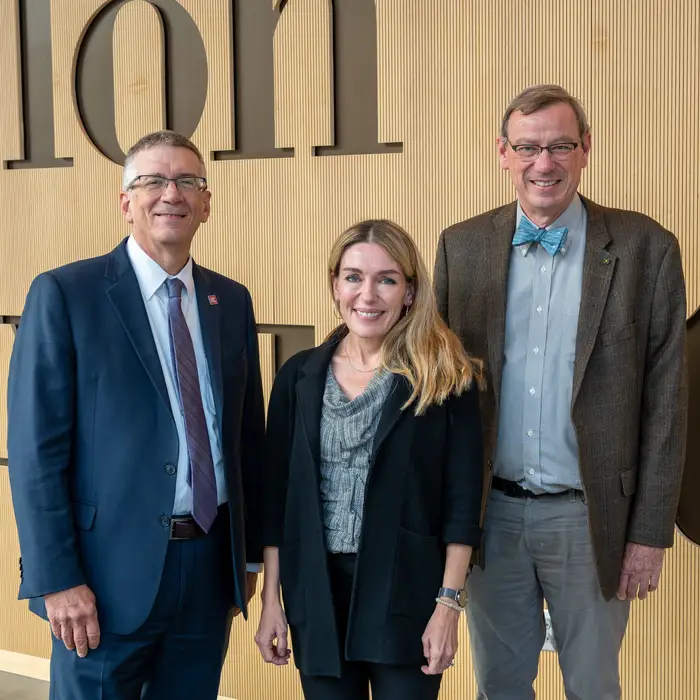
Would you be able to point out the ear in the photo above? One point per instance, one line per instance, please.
(409, 296)
(206, 205)
(125, 206)
(334, 281)
(586, 148)
(502, 149)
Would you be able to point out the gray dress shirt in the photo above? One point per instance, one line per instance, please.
(347, 435)
(536, 443)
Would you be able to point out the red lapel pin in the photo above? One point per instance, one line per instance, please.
(213, 301)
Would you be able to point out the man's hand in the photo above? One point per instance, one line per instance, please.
(73, 617)
(251, 583)
(641, 569)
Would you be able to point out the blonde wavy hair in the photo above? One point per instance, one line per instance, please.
(419, 346)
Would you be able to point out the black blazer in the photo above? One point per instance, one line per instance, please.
(423, 492)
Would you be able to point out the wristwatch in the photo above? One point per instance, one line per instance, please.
(459, 596)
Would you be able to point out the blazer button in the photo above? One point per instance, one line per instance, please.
(165, 521)
(170, 469)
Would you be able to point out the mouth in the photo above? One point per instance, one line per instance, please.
(366, 313)
(544, 184)
(170, 217)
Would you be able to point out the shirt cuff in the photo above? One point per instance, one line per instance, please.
(254, 568)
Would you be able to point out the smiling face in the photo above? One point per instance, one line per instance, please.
(168, 218)
(370, 290)
(545, 186)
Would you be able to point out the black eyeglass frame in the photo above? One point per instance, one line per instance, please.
(533, 156)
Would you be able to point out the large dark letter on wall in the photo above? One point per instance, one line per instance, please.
(37, 87)
(185, 75)
(355, 81)
(253, 89)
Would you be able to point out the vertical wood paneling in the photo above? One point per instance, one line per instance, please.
(20, 630)
(10, 86)
(304, 109)
(446, 71)
(139, 87)
(6, 341)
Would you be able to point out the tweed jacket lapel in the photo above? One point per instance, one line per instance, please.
(500, 247)
(598, 268)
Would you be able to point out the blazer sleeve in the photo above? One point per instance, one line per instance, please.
(40, 409)
(463, 471)
(664, 410)
(252, 439)
(279, 438)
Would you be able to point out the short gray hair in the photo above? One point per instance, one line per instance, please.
(153, 140)
(538, 97)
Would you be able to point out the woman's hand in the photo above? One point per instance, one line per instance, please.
(273, 626)
(440, 640)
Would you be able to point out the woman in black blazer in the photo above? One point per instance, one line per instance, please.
(373, 487)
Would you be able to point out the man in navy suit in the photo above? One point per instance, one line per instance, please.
(135, 430)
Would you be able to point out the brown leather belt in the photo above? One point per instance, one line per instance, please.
(184, 527)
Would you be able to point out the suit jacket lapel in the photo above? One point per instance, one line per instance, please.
(125, 296)
(310, 388)
(500, 246)
(210, 323)
(391, 412)
(598, 268)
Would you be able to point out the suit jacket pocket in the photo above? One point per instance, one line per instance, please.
(84, 515)
(234, 361)
(417, 575)
(291, 569)
(618, 335)
(629, 481)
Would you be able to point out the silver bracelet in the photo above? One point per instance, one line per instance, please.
(448, 604)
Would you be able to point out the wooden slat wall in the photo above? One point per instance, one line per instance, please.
(446, 70)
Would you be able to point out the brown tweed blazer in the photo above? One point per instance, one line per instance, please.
(630, 387)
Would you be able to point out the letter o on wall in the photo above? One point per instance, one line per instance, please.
(186, 75)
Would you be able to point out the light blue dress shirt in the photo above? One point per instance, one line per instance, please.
(151, 278)
(536, 443)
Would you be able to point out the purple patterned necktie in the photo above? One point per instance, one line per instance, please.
(200, 476)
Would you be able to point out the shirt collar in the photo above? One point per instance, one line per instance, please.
(151, 275)
(569, 219)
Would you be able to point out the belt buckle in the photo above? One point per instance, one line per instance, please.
(173, 521)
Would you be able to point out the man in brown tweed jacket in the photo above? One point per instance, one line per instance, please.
(579, 311)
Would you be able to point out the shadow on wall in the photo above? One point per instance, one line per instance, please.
(688, 516)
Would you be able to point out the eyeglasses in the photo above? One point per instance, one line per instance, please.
(558, 151)
(157, 183)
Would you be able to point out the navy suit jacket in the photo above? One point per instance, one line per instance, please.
(91, 435)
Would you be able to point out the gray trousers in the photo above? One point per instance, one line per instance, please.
(535, 550)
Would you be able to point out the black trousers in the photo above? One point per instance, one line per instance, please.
(387, 682)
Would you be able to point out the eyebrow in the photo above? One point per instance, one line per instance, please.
(380, 272)
(159, 174)
(558, 139)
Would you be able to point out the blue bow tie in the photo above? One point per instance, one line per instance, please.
(551, 240)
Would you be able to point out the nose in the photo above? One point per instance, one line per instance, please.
(171, 193)
(545, 161)
(368, 291)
